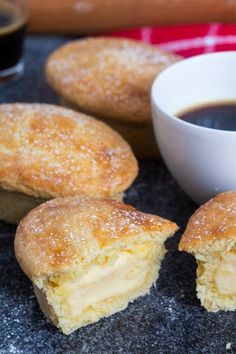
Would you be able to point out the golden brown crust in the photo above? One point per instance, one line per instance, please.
(71, 229)
(48, 151)
(111, 77)
(140, 136)
(213, 221)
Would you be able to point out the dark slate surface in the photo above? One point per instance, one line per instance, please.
(169, 320)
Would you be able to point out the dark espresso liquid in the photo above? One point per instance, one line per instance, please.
(221, 116)
(12, 30)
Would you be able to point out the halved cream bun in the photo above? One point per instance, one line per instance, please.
(87, 258)
(211, 237)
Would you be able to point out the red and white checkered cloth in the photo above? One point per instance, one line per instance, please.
(187, 40)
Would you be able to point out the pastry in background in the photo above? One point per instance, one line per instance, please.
(111, 78)
(211, 237)
(88, 258)
(48, 151)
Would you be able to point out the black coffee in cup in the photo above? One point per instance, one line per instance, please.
(215, 115)
(12, 30)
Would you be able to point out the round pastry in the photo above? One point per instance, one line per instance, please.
(211, 237)
(111, 78)
(87, 258)
(48, 151)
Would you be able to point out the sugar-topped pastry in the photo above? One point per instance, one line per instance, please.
(48, 151)
(211, 237)
(111, 78)
(87, 258)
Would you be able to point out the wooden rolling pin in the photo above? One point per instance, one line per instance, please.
(94, 16)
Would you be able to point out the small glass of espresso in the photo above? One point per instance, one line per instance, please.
(13, 20)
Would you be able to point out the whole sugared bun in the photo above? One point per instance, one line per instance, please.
(111, 78)
(48, 151)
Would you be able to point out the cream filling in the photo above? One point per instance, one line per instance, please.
(225, 276)
(103, 282)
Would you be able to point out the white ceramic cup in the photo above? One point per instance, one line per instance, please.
(202, 160)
